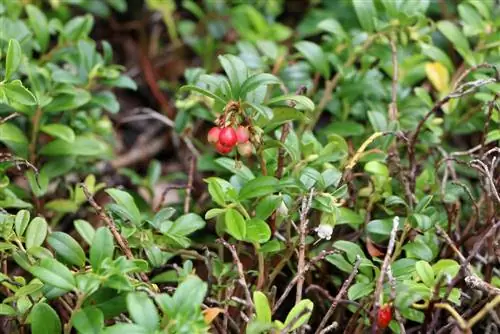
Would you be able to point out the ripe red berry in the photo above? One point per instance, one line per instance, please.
(242, 134)
(213, 135)
(227, 137)
(384, 316)
(222, 149)
(245, 149)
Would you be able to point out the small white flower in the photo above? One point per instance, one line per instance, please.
(324, 231)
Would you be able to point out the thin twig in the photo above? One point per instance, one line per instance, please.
(187, 199)
(339, 295)
(8, 118)
(380, 282)
(304, 221)
(305, 269)
(122, 242)
(241, 274)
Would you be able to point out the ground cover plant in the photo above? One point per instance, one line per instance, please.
(249, 166)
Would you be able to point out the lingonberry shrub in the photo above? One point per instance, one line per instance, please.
(360, 166)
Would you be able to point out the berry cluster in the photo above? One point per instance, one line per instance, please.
(226, 138)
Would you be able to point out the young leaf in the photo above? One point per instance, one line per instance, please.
(36, 232)
(315, 55)
(258, 231)
(262, 309)
(425, 272)
(21, 222)
(143, 311)
(235, 224)
(44, 320)
(257, 80)
(127, 203)
(102, 247)
(13, 60)
(236, 71)
(205, 92)
(300, 100)
(17, 93)
(67, 248)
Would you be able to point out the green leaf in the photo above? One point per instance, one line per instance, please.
(143, 311)
(257, 80)
(262, 309)
(13, 58)
(257, 231)
(126, 328)
(425, 272)
(315, 55)
(7, 310)
(44, 320)
(236, 71)
(61, 131)
(360, 290)
(300, 100)
(456, 37)
(446, 266)
(235, 224)
(438, 55)
(236, 168)
(205, 92)
(102, 247)
(53, 272)
(260, 186)
(106, 100)
(305, 304)
(334, 27)
(16, 92)
(492, 136)
(82, 146)
(418, 250)
(36, 232)
(366, 13)
(21, 222)
(85, 230)
(187, 224)
(39, 25)
(67, 248)
(88, 320)
(189, 295)
(68, 101)
(267, 206)
(127, 203)
(340, 262)
(350, 249)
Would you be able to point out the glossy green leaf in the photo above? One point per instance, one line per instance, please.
(236, 168)
(143, 310)
(102, 247)
(187, 224)
(13, 59)
(262, 309)
(127, 203)
(7, 310)
(59, 131)
(425, 272)
(236, 71)
(203, 92)
(360, 290)
(53, 272)
(260, 186)
(334, 27)
(21, 222)
(257, 231)
(16, 92)
(85, 230)
(88, 320)
(36, 232)
(235, 224)
(299, 100)
(257, 80)
(67, 248)
(44, 320)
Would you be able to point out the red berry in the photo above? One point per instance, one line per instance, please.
(245, 149)
(222, 149)
(384, 316)
(213, 135)
(242, 134)
(227, 137)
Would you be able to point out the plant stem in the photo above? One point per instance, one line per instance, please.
(34, 134)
